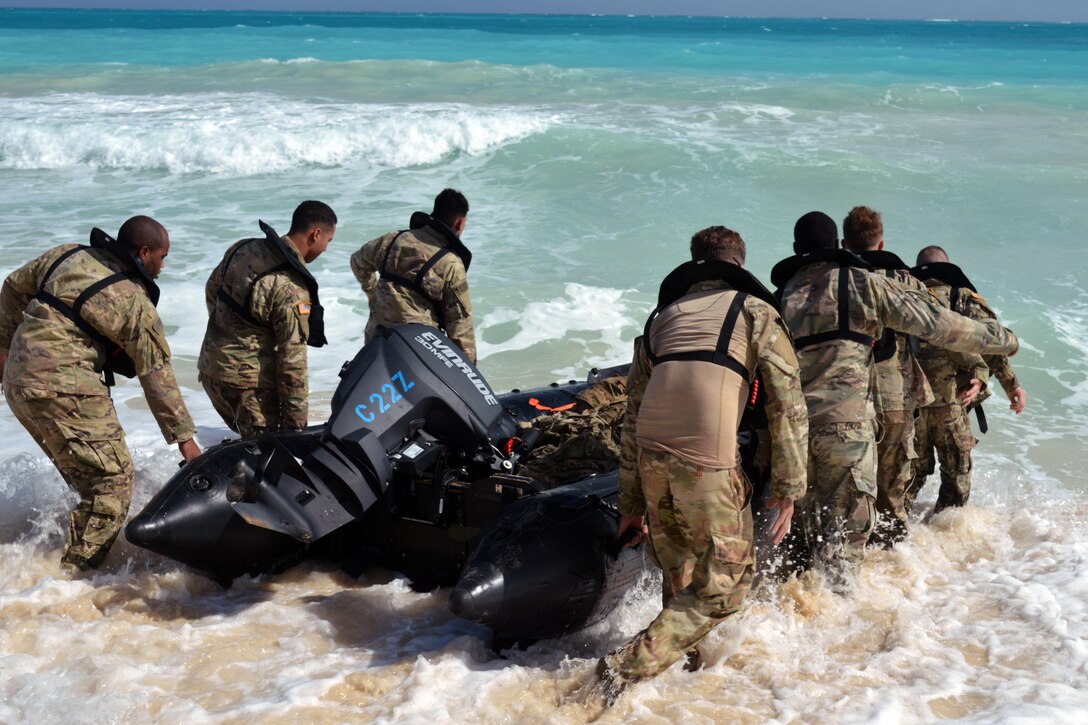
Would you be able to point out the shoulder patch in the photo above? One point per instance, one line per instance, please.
(304, 307)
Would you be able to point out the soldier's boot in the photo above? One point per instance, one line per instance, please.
(842, 558)
(93, 527)
(610, 681)
(892, 503)
(796, 552)
(76, 557)
(888, 531)
(693, 661)
(955, 475)
(953, 492)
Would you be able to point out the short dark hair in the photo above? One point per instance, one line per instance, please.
(932, 254)
(142, 231)
(717, 244)
(813, 231)
(449, 206)
(862, 229)
(310, 214)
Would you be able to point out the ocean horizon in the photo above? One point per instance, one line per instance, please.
(590, 148)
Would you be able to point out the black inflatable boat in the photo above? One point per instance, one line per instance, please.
(418, 458)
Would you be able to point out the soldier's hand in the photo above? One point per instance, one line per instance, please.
(635, 523)
(1018, 400)
(967, 394)
(189, 449)
(781, 525)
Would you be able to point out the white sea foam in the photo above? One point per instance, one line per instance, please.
(586, 326)
(979, 616)
(1070, 322)
(246, 134)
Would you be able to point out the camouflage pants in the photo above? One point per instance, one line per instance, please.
(83, 438)
(246, 412)
(948, 430)
(836, 514)
(895, 456)
(700, 522)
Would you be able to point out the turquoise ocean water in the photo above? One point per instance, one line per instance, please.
(590, 149)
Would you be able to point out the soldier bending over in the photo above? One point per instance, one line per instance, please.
(69, 318)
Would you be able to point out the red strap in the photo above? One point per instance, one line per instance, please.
(536, 404)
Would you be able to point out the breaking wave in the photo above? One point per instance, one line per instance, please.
(246, 134)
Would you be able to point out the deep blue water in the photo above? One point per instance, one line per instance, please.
(1048, 53)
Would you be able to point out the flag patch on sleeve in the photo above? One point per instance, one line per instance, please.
(304, 308)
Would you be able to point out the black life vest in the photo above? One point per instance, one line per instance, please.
(454, 245)
(785, 270)
(677, 285)
(290, 261)
(955, 278)
(118, 362)
(884, 347)
(948, 273)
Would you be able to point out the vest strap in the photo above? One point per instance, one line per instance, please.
(843, 332)
(719, 355)
(243, 309)
(117, 360)
(416, 285)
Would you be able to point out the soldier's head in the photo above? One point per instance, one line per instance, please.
(451, 208)
(863, 230)
(312, 227)
(147, 241)
(932, 254)
(718, 244)
(815, 231)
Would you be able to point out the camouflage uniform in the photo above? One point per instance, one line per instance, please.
(901, 390)
(52, 382)
(582, 441)
(256, 374)
(944, 425)
(422, 277)
(838, 376)
(700, 516)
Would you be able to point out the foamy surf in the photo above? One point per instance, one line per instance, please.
(980, 616)
(243, 134)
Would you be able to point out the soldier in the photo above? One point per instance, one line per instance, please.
(901, 387)
(714, 329)
(836, 308)
(263, 310)
(69, 318)
(958, 383)
(421, 273)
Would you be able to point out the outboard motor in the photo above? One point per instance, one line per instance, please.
(409, 407)
(418, 455)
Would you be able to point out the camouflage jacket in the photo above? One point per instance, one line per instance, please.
(401, 260)
(269, 356)
(838, 375)
(950, 371)
(777, 366)
(901, 383)
(48, 353)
